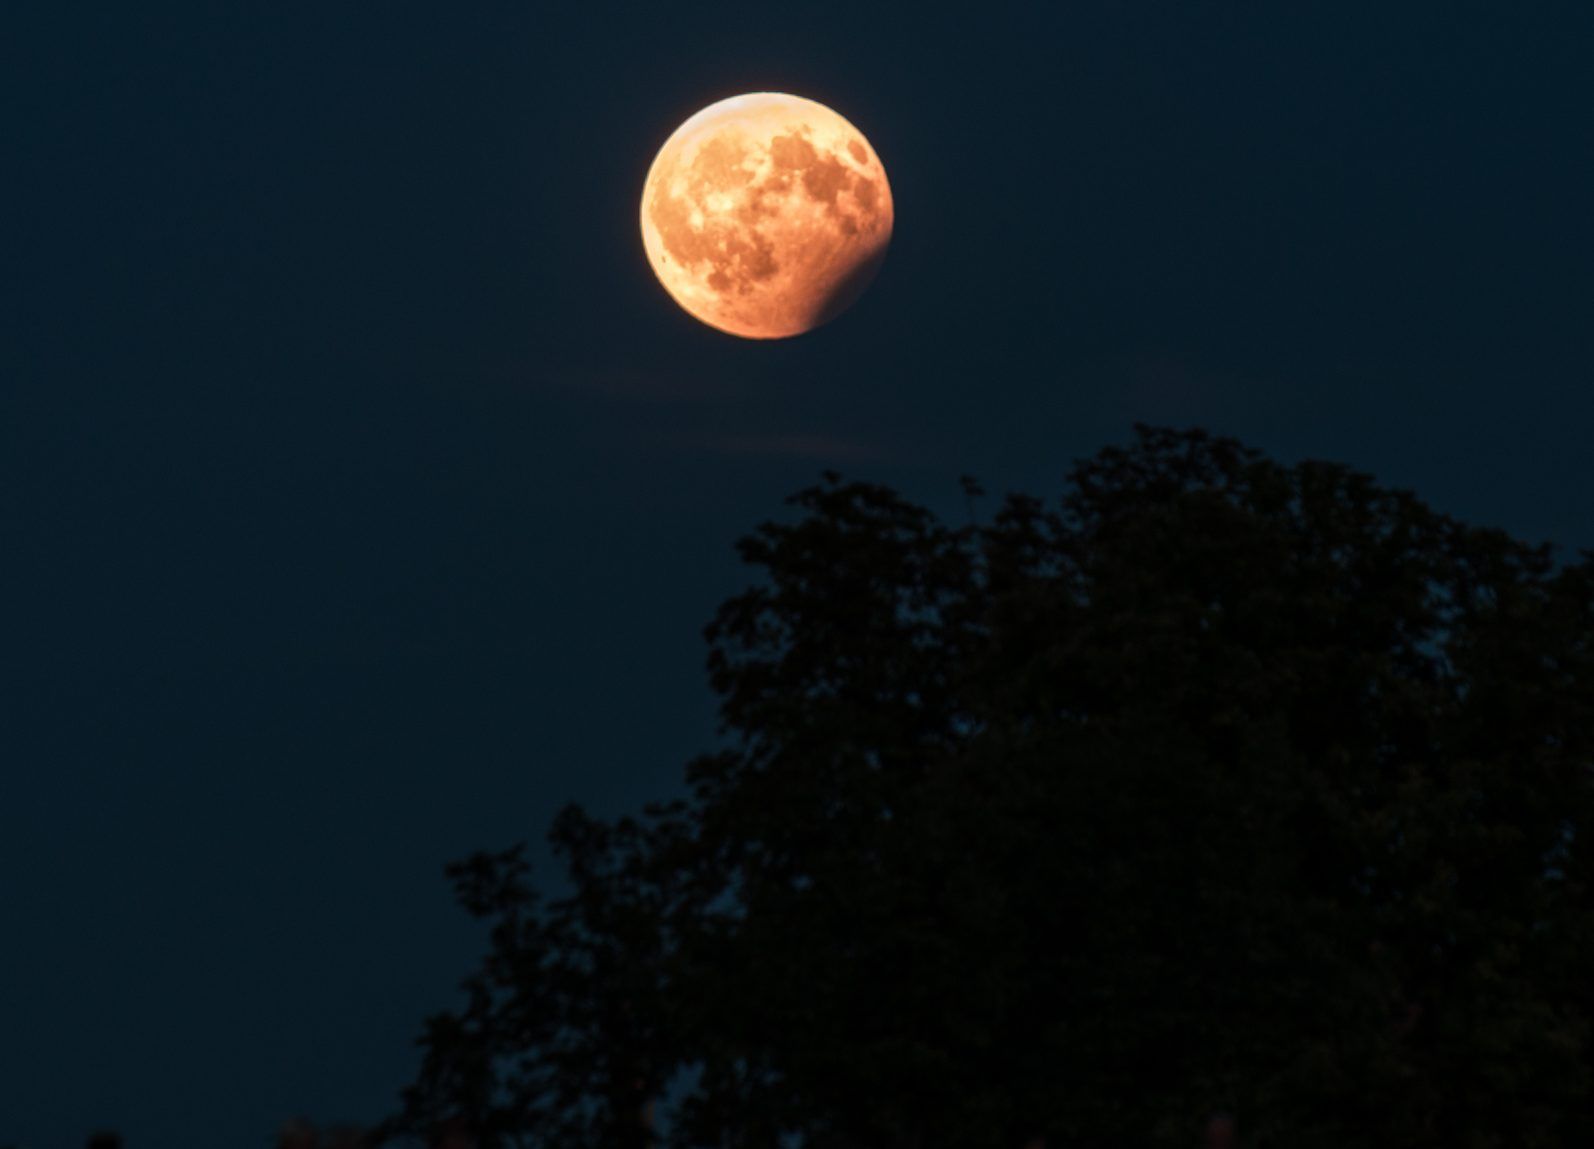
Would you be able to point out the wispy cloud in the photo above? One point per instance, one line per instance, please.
(644, 386)
(817, 446)
(720, 414)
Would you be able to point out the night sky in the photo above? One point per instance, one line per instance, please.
(363, 496)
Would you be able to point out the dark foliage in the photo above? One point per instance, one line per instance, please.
(1217, 784)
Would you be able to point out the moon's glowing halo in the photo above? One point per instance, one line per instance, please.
(765, 215)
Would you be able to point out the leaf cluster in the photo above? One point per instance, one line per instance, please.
(1214, 783)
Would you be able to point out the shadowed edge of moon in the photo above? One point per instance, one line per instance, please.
(849, 288)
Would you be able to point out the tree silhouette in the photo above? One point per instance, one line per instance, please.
(1215, 787)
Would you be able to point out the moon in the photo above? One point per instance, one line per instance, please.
(766, 215)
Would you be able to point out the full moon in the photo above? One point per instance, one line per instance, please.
(766, 215)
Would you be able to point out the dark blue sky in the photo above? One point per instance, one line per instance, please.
(362, 497)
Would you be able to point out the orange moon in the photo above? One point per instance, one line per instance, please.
(766, 215)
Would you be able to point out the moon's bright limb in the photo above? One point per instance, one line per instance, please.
(766, 215)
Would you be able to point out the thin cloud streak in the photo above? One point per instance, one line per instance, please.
(648, 387)
(789, 446)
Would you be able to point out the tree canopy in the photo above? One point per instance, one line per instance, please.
(1211, 783)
